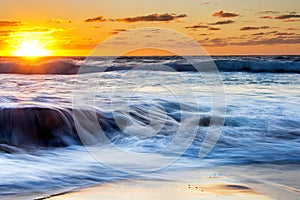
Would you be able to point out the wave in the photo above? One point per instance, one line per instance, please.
(27, 127)
(37, 126)
(99, 64)
(258, 66)
(52, 67)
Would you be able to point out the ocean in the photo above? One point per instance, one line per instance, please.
(69, 122)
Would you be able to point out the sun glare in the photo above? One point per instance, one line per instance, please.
(31, 48)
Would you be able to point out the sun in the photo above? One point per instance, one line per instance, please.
(31, 48)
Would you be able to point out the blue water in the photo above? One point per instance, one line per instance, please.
(49, 123)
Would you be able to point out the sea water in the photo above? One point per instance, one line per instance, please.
(43, 149)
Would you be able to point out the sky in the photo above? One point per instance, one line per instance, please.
(76, 27)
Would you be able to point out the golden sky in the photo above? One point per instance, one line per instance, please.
(75, 27)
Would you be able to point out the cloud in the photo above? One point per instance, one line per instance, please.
(120, 30)
(292, 29)
(291, 15)
(270, 41)
(197, 27)
(59, 21)
(284, 33)
(222, 22)
(204, 34)
(240, 41)
(41, 30)
(38, 29)
(224, 14)
(202, 26)
(4, 33)
(268, 12)
(291, 20)
(96, 19)
(264, 33)
(9, 23)
(166, 17)
(116, 31)
(266, 17)
(247, 28)
(213, 29)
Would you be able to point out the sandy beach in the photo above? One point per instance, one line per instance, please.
(200, 184)
(212, 188)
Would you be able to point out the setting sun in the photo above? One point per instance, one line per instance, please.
(31, 48)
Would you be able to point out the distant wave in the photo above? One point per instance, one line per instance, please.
(258, 66)
(52, 67)
(226, 64)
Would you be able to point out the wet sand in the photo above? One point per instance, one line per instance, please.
(229, 183)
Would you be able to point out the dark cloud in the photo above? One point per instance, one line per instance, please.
(116, 31)
(289, 16)
(9, 23)
(202, 26)
(260, 33)
(247, 28)
(284, 33)
(204, 34)
(266, 17)
(96, 19)
(224, 14)
(197, 27)
(268, 12)
(120, 30)
(166, 17)
(264, 33)
(222, 22)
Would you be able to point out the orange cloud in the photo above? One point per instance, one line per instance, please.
(116, 31)
(197, 27)
(9, 23)
(291, 20)
(247, 28)
(4, 33)
(268, 12)
(292, 15)
(166, 17)
(222, 22)
(153, 17)
(264, 33)
(266, 17)
(225, 14)
(96, 19)
(202, 26)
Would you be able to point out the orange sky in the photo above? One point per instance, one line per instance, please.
(75, 27)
